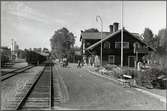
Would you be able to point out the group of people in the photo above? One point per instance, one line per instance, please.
(64, 61)
(95, 61)
(92, 60)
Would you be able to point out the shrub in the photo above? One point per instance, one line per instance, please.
(143, 79)
(114, 70)
(149, 78)
(97, 69)
(110, 67)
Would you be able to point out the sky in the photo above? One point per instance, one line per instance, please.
(33, 23)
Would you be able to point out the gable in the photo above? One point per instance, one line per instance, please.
(116, 36)
(127, 37)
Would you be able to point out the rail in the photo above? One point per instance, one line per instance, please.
(15, 72)
(22, 101)
(42, 87)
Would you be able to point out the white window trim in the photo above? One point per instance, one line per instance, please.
(120, 43)
(113, 58)
(135, 45)
(108, 43)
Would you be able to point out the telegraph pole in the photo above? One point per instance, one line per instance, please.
(122, 37)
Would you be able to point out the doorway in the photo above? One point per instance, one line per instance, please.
(131, 61)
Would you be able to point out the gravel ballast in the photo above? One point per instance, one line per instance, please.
(14, 86)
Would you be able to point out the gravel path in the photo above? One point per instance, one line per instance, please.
(160, 92)
(87, 91)
(11, 87)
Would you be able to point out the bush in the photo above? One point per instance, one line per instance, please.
(117, 72)
(110, 67)
(149, 78)
(114, 70)
(143, 79)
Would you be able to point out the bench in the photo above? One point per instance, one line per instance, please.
(127, 80)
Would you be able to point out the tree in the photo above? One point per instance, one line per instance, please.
(91, 30)
(162, 37)
(156, 41)
(148, 35)
(62, 42)
(45, 50)
(159, 43)
(161, 48)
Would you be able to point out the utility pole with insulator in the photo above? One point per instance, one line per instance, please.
(122, 38)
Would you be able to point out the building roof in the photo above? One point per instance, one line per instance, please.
(93, 35)
(113, 34)
(137, 35)
(106, 37)
(97, 35)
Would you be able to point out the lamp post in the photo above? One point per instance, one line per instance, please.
(101, 23)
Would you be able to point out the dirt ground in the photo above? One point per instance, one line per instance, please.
(87, 91)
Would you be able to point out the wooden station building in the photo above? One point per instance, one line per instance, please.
(134, 48)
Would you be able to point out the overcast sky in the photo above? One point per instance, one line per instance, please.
(32, 23)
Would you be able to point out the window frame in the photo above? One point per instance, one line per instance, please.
(113, 62)
(120, 45)
(107, 45)
(137, 45)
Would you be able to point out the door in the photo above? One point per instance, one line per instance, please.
(131, 61)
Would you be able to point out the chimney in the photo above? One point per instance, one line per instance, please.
(115, 26)
(111, 28)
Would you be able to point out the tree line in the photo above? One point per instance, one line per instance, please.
(159, 43)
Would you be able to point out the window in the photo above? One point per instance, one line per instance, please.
(106, 45)
(136, 45)
(111, 59)
(88, 43)
(125, 45)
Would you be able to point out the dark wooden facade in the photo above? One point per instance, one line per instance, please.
(112, 50)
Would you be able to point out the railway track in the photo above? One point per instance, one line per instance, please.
(15, 72)
(38, 95)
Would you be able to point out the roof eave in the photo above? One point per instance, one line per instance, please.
(95, 44)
